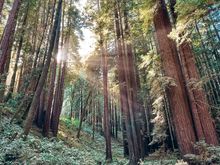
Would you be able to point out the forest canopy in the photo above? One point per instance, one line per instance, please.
(109, 82)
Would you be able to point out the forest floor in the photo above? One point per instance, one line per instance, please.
(66, 149)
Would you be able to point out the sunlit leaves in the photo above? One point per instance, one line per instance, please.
(188, 12)
(147, 11)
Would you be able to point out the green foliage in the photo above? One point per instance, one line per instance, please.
(70, 122)
(146, 13)
(40, 151)
(188, 12)
(76, 122)
(155, 84)
(207, 154)
(15, 101)
(189, 8)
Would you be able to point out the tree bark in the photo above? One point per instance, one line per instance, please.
(60, 100)
(176, 92)
(116, 121)
(20, 44)
(136, 108)
(53, 94)
(107, 126)
(199, 105)
(133, 156)
(8, 34)
(47, 119)
(198, 98)
(55, 113)
(32, 110)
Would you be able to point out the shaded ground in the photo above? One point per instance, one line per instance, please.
(64, 150)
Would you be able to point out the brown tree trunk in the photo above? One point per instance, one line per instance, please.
(59, 93)
(198, 97)
(107, 126)
(32, 110)
(116, 121)
(112, 117)
(47, 118)
(59, 100)
(20, 44)
(133, 156)
(41, 106)
(53, 94)
(194, 110)
(55, 113)
(8, 34)
(200, 109)
(137, 110)
(42, 38)
(176, 92)
(3, 76)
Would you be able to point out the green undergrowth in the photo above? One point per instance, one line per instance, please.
(66, 149)
(37, 150)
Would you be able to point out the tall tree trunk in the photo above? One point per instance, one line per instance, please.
(47, 118)
(40, 115)
(137, 109)
(8, 34)
(20, 44)
(107, 126)
(43, 36)
(53, 94)
(116, 121)
(54, 117)
(176, 92)
(200, 109)
(133, 156)
(3, 77)
(59, 103)
(198, 97)
(32, 110)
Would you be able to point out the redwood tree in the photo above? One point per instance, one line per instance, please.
(8, 35)
(107, 126)
(199, 105)
(125, 89)
(46, 126)
(20, 44)
(197, 97)
(32, 110)
(175, 91)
